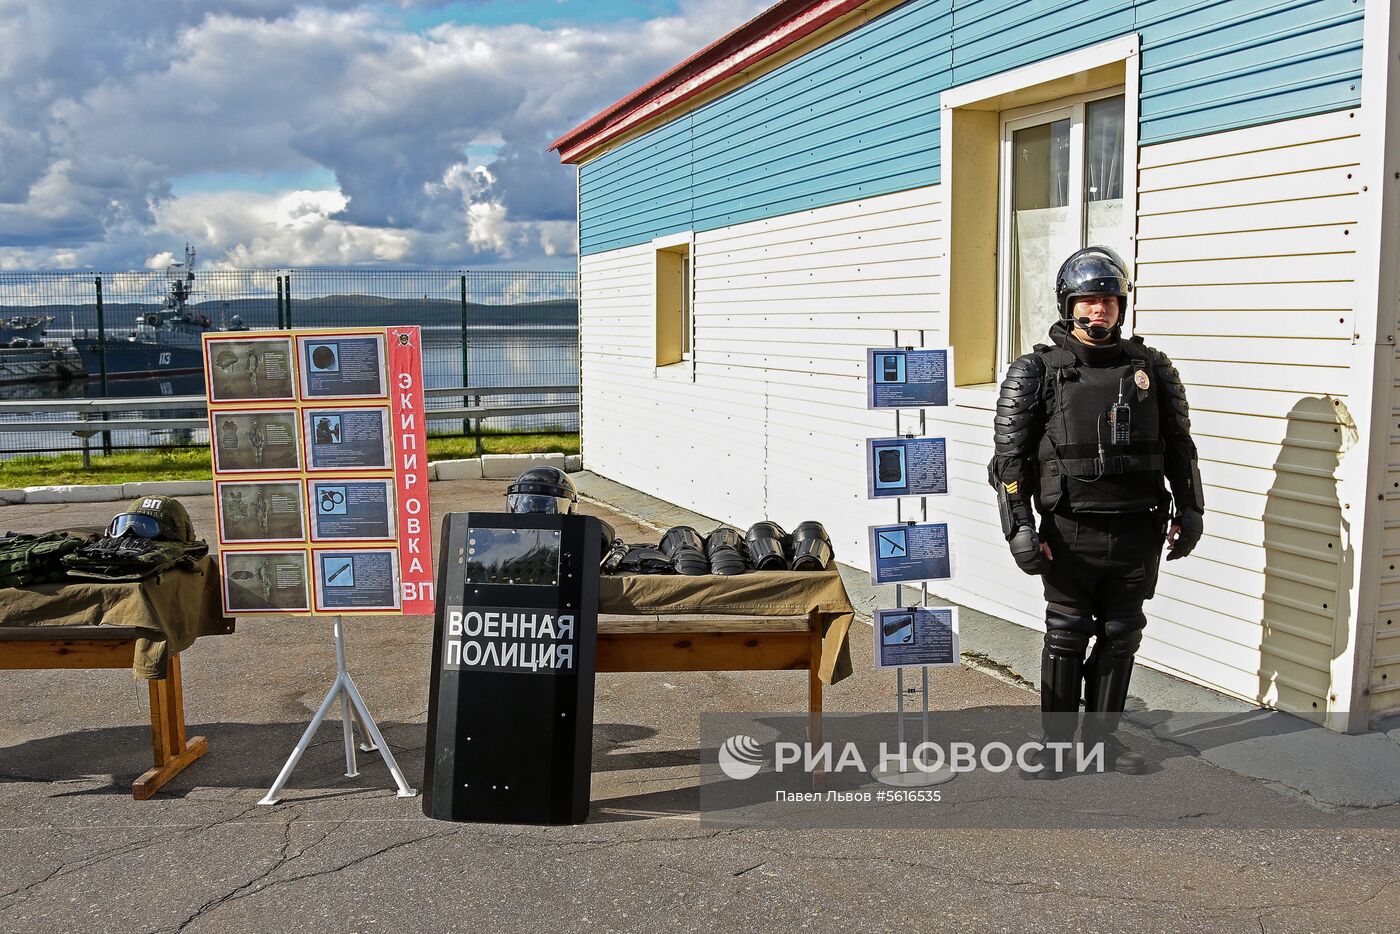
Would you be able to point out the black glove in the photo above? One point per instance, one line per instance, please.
(1025, 548)
(1192, 525)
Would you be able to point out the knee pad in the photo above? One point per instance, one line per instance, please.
(1064, 643)
(1124, 645)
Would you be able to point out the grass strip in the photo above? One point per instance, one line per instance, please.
(193, 463)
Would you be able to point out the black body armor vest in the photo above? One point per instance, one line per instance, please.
(1101, 450)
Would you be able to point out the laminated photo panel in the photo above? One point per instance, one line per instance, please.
(355, 580)
(260, 511)
(249, 369)
(346, 439)
(255, 441)
(914, 637)
(272, 582)
(351, 509)
(910, 552)
(906, 467)
(341, 365)
(908, 377)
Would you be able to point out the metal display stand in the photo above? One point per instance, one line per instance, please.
(904, 772)
(352, 712)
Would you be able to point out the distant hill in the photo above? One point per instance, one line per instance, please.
(325, 311)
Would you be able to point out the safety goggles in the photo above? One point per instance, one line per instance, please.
(136, 523)
(537, 502)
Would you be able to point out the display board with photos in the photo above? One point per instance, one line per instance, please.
(319, 447)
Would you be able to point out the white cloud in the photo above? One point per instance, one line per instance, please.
(103, 105)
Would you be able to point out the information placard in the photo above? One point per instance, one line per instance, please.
(908, 378)
(352, 510)
(911, 637)
(338, 365)
(346, 439)
(906, 467)
(255, 441)
(252, 368)
(335, 473)
(362, 579)
(910, 552)
(260, 511)
(264, 582)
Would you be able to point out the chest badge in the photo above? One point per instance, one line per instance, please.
(1140, 377)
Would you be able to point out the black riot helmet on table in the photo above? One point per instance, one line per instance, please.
(542, 489)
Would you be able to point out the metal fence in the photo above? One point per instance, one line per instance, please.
(136, 334)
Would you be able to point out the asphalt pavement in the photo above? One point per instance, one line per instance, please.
(1188, 847)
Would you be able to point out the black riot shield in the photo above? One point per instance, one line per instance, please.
(510, 716)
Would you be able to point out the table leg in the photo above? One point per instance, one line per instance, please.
(814, 693)
(170, 749)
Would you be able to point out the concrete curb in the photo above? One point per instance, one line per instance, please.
(510, 466)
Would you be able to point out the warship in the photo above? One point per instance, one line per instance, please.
(163, 342)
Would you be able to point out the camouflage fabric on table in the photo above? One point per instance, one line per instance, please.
(35, 559)
(130, 558)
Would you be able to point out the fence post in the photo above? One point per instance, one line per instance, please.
(479, 452)
(466, 354)
(101, 367)
(287, 302)
(279, 303)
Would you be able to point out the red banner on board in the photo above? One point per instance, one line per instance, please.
(410, 435)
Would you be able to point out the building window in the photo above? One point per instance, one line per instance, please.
(1035, 163)
(1061, 189)
(674, 326)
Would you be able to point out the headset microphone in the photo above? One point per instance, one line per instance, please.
(1097, 331)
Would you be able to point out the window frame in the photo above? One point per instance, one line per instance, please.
(968, 147)
(1075, 109)
(682, 243)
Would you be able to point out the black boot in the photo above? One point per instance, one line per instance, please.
(1106, 677)
(1061, 675)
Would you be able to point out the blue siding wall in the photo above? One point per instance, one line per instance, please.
(859, 116)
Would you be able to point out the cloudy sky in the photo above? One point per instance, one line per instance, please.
(287, 133)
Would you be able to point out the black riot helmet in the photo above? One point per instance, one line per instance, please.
(1094, 270)
(542, 489)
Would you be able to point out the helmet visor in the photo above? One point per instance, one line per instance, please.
(536, 502)
(136, 523)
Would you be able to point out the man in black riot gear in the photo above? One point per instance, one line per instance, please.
(1087, 430)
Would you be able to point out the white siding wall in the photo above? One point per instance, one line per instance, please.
(1245, 268)
(774, 424)
(1246, 278)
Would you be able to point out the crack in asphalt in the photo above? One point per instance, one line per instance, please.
(64, 868)
(281, 860)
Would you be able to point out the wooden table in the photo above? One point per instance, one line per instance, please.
(715, 642)
(42, 647)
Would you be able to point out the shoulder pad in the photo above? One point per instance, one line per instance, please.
(1027, 366)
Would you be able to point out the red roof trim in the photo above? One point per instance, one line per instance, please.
(774, 29)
